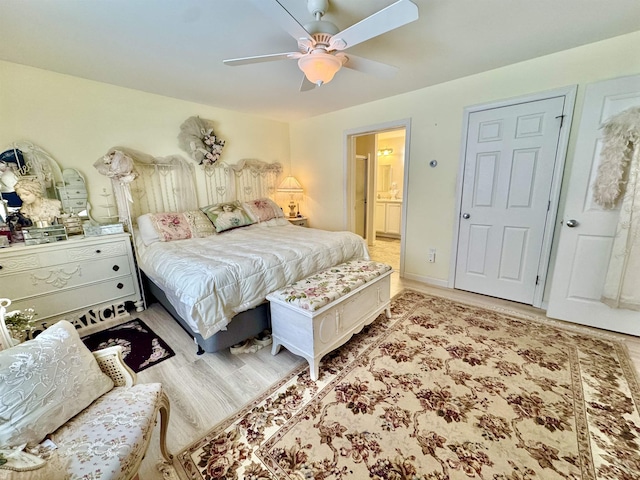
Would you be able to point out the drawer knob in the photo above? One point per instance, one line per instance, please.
(116, 268)
(98, 251)
(120, 286)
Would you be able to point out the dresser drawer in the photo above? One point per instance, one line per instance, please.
(74, 203)
(60, 277)
(72, 191)
(18, 263)
(94, 252)
(59, 303)
(34, 259)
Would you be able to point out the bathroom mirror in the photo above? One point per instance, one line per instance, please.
(384, 178)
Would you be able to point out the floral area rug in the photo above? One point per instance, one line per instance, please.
(443, 390)
(142, 348)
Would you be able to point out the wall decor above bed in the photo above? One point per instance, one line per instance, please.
(198, 140)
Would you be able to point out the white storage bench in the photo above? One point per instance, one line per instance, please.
(319, 313)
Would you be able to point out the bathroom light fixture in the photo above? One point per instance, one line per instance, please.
(385, 152)
(291, 186)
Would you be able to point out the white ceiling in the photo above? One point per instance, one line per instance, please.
(176, 47)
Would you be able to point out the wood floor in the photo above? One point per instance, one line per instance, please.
(205, 389)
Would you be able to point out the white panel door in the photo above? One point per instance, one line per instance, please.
(587, 231)
(509, 167)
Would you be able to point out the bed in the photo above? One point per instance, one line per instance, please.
(215, 284)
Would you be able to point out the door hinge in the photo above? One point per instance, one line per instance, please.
(561, 117)
(548, 205)
(537, 279)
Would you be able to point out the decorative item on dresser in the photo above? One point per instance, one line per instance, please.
(72, 192)
(63, 277)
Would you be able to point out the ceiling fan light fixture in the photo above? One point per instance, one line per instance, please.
(319, 67)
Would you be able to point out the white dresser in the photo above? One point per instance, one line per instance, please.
(78, 274)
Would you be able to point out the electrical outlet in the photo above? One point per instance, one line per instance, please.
(432, 255)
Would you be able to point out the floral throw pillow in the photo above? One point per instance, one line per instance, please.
(171, 226)
(263, 209)
(226, 216)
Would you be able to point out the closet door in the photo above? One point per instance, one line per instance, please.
(508, 175)
(587, 230)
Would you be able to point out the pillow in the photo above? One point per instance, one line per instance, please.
(44, 382)
(226, 216)
(275, 222)
(263, 209)
(171, 226)
(152, 229)
(200, 224)
(146, 229)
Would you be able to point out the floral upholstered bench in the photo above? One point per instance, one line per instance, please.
(319, 313)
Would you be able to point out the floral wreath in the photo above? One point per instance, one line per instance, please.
(197, 138)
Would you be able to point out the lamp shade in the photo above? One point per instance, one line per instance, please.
(290, 185)
(319, 67)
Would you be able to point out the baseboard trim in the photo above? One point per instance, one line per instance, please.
(428, 280)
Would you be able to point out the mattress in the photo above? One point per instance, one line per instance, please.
(209, 280)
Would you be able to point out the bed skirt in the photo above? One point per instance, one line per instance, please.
(244, 325)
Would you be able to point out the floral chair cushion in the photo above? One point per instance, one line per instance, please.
(108, 439)
(44, 382)
(322, 288)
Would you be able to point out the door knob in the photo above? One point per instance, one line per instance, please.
(466, 216)
(572, 223)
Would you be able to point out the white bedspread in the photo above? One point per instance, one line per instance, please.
(209, 280)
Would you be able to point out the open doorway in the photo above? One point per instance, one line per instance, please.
(376, 164)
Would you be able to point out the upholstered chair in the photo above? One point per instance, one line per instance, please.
(68, 413)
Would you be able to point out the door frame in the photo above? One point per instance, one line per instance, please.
(368, 187)
(569, 94)
(349, 149)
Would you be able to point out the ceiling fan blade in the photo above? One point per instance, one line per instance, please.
(306, 85)
(276, 12)
(391, 17)
(371, 67)
(261, 58)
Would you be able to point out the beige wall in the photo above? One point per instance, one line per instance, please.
(436, 113)
(78, 120)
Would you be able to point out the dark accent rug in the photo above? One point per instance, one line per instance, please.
(441, 391)
(142, 348)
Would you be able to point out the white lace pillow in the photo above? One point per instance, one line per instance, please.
(44, 382)
(200, 224)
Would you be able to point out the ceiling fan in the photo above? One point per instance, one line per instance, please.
(320, 42)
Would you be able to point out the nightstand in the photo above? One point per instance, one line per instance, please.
(299, 221)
